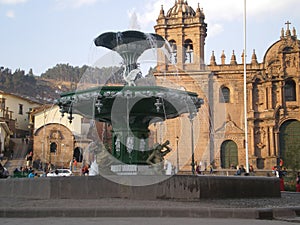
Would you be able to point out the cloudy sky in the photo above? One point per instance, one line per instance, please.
(39, 34)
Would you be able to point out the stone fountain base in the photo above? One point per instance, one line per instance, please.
(179, 187)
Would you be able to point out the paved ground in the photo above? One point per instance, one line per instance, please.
(286, 208)
(139, 221)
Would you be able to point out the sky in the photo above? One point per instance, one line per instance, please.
(38, 34)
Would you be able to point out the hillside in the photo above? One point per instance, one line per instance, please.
(61, 78)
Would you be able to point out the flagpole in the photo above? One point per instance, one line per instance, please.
(245, 93)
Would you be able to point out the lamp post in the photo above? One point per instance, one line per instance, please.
(191, 117)
(177, 140)
(245, 93)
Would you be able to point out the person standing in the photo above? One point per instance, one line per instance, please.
(49, 167)
(31, 174)
(11, 154)
(211, 169)
(71, 165)
(251, 170)
(298, 182)
(85, 170)
(27, 160)
(198, 168)
(74, 164)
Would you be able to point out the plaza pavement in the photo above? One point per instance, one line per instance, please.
(286, 208)
(140, 221)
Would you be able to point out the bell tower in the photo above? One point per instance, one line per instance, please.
(186, 31)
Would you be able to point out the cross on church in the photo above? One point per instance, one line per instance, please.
(288, 23)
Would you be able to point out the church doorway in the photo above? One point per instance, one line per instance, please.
(290, 144)
(229, 154)
(78, 154)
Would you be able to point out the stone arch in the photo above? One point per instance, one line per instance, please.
(229, 154)
(289, 140)
(50, 127)
(188, 51)
(224, 94)
(78, 154)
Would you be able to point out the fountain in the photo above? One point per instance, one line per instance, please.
(131, 109)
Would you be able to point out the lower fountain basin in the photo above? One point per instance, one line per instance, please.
(181, 187)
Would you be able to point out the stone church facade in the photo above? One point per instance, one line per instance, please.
(273, 95)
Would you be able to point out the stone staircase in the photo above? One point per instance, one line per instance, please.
(18, 159)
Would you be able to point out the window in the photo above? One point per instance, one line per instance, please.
(290, 90)
(189, 52)
(53, 147)
(2, 103)
(20, 109)
(173, 56)
(224, 95)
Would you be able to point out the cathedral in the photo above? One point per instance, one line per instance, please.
(272, 95)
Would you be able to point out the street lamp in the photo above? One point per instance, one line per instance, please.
(177, 140)
(191, 117)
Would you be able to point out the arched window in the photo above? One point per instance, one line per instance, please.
(290, 90)
(188, 51)
(53, 147)
(224, 95)
(173, 56)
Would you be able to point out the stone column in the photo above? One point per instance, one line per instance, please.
(266, 97)
(268, 141)
(269, 96)
(276, 149)
(180, 51)
(250, 97)
(251, 141)
(280, 94)
(272, 145)
(202, 43)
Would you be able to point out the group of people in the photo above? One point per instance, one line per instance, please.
(25, 172)
(200, 170)
(74, 164)
(280, 172)
(240, 170)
